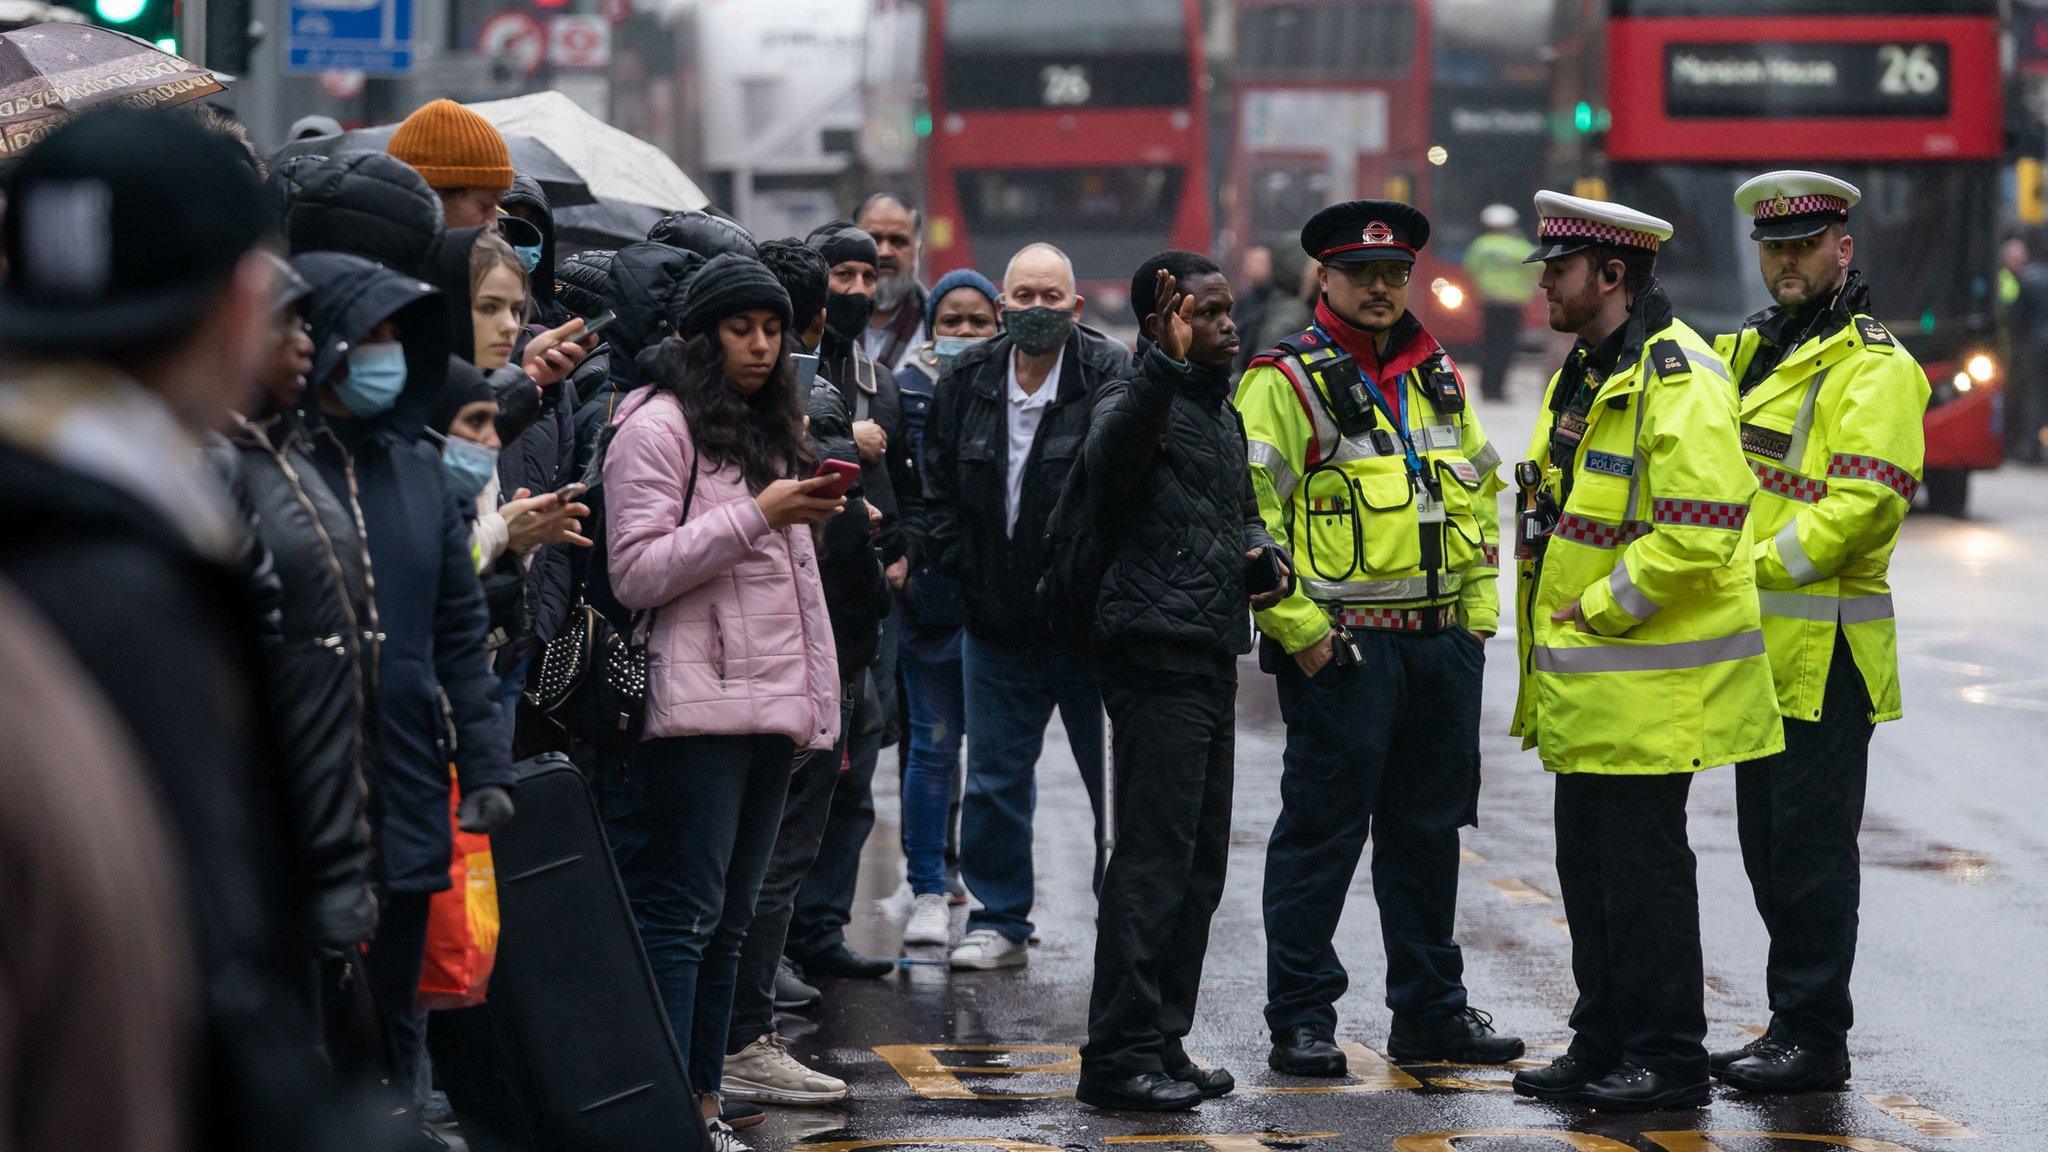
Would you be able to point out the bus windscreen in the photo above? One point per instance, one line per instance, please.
(1062, 55)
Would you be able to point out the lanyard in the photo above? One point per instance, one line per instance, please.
(1397, 417)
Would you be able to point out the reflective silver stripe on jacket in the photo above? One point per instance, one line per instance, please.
(1803, 426)
(1630, 597)
(1650, 657)
(1710, 363)
(1793, 554)
(1826, 609)
(1275, 463)
(1376, 591)
(1487, 459)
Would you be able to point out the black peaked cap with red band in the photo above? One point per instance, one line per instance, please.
(1363, 231)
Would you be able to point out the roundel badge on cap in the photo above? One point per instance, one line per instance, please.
(1377, 232)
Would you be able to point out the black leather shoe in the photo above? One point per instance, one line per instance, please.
(1463, 1037)
(1210, 1082)
(842, 963)
(791, 993)
(1305, 1051)
(1717, 1062)
(1147, 1092)
(740, 1115)
(1634, 1088)
(1780, 1066)
(1562, 1079)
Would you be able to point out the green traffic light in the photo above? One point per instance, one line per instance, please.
(1582, 117)
(119, 11)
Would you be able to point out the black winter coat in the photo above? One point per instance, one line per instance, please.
(169, 633)
(868, 392)
(371, 204)
(857, 595)
(430, 605)
(1165, 456)
(321, 668)
(967, 460)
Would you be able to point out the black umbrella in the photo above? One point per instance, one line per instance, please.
(529, 156)
(605, 224)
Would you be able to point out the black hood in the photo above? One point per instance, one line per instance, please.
(370, 204)
(702, 233)
(450, 273)
(281, 188)
(526, 193)
(646, 282)
(465, 385)
(350, 297)
(583, 282)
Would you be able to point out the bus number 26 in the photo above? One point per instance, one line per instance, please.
(1064, 85)
(1908, 70)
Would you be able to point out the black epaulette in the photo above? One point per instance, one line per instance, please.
(1669, 360)
(1873, 333)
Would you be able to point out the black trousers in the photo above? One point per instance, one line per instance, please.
(824, 901)
(393, 968)
(1174, 738)
(1387, 749)
(1630, 892)
(1500, 329)
(1798, 814)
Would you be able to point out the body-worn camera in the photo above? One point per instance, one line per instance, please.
(1537, 511)
(1350, 396)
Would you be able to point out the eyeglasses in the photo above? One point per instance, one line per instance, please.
(1362, 275)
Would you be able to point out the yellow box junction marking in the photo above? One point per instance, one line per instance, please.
(1520, 891)
(1920, 1118)
(1225, 1141)
(924, 1068)
(1448, 1141)
(1704, 1141)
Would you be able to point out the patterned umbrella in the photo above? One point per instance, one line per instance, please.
(49, 72)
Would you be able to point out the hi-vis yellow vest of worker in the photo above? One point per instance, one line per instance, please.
(1834, 436)
(1362, 534)
(1652, 542)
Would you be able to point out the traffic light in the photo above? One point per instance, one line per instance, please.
(155, 21)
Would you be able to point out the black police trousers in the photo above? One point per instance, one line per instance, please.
(1173, 736)
(1387, 747)
(1628, 879)
(1798, 814)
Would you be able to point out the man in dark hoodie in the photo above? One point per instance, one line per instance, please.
(134, 314)
(368, 203)
(529, 202)
(380, 354)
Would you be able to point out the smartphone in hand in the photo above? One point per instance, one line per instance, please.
(844, 475)
(806, 371)
(1263, 574)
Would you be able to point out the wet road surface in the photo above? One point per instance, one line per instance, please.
(1949, 981)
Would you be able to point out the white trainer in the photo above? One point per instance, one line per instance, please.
(765, 1073)
(931, 920)
(722, 1138)
(987, 948)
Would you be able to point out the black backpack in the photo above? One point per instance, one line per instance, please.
(1077, 557)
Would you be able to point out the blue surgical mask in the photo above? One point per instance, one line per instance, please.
(950, 348)
(469, 466)
(529, 255)
(376, 375)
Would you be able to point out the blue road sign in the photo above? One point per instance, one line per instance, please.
(373, 36)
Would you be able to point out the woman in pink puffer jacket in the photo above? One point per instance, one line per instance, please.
(710, 534)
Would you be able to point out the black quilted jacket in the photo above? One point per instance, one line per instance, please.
(1165, 455)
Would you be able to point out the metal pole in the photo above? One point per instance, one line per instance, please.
(192, 37)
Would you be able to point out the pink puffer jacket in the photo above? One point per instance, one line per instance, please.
(741, 643)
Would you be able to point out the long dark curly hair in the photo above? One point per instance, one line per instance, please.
(762, 435)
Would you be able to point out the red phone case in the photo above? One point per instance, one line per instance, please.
(847, 475)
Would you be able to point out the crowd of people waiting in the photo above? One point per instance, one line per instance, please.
(305, 466)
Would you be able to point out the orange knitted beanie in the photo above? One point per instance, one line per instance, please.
(453, 147)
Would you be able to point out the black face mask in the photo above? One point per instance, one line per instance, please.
(847, 314)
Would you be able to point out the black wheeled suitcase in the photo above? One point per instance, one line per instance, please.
(572, 1052)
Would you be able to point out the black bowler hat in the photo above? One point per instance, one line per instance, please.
(120, 226)
(1362, 231)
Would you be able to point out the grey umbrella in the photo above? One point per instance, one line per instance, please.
(530, 157)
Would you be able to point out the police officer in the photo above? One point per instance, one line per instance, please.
(1831, 410)
(1373, 470)
(1642, 656)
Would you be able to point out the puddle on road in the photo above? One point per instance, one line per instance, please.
(1956, 865)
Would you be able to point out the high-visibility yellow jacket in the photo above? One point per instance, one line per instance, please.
(1499, 267)
(1652, 539)
(1361, 534)
(1834, 436)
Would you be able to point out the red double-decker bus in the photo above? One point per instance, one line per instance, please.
(1078, 122)
(1903, 98)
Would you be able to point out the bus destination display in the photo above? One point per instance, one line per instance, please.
(1806, 79)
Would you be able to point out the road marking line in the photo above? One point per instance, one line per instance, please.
(1469, 856)
(1563, 925)
(1714, 989)
(1520, 891)
(928, 1076)
(1226, 1141)
(1919, 1117)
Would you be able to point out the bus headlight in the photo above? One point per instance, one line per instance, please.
(1981, 368)
(1962, 382)
(1447, 294)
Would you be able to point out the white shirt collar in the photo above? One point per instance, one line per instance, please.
(1046, 391)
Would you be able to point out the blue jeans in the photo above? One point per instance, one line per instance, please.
(931, 778)
(692, 822)
(1011, 693)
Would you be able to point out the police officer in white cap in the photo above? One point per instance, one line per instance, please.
(1831, 423)
(1642, 658)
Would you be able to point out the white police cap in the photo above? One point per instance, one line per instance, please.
(1794, 204)
(1565, 224)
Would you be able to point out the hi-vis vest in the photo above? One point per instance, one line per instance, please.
(1365, 539)
(1834, 437)
(1652, 544)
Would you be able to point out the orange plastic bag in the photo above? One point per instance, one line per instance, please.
(462, 923)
